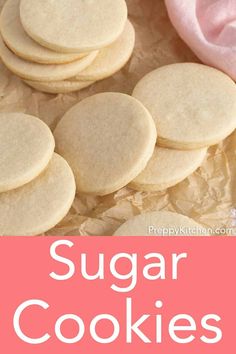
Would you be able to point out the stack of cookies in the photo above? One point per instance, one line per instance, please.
(37, 186)
(64, 46)
(193, 107)
(153, 140)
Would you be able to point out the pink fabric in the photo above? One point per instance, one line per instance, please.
(209, 29)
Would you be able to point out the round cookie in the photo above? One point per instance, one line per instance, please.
(107, 139)
(161, 223)
(167, 167)
(26, 147)
(192, 105)
(22, 45)
(41, 72)
(39, 205)
(112, 58)
(55, 87)
(73, 25)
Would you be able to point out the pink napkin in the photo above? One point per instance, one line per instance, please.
(209, 29)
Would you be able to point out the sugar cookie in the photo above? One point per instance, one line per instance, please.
(167, 167)
(42, 72)
(107, 139)
(192, 105)
(22, 45)
(26, 147)
(64, 86)
(73, 25)
(39, 205)
(112, 58)
(161, 223)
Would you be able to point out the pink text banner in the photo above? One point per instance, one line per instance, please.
(117, 295)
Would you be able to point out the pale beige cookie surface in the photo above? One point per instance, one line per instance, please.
(192, 105)
(26, 147)
(39, 205)
(161, 223)
(22, 45)
(107, 139)
(167, 167)
(42, 72)
(112, 58)
(55, 87)
(74, 25)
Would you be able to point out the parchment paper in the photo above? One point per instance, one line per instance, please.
(208, 195)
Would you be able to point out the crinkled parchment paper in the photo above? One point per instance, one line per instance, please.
(208, 195)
